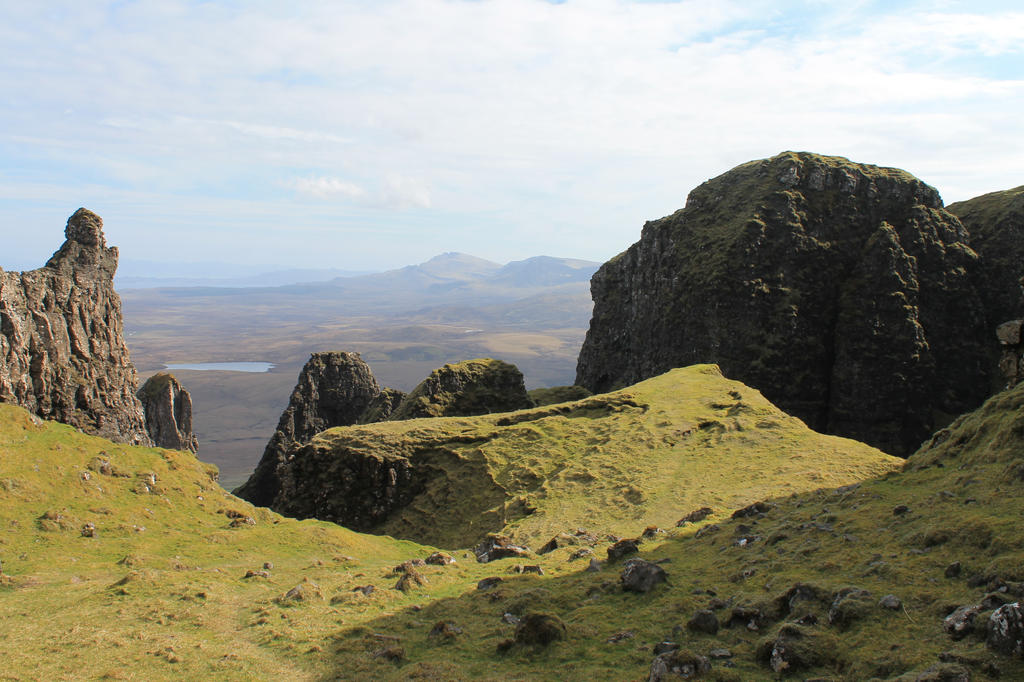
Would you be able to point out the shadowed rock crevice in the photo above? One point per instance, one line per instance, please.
(62, 349)
(843, 291)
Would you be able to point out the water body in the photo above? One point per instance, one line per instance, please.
(226, 366)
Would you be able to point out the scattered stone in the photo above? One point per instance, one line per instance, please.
(395, 654)
(557, 542)
(496, 547)
(580, 553)
(945, 672)
(664, 647)
(954, 570)
(794, 647)
(696, 516)
(366, 590)
(620, 636)
(704, 621)
(850, 604)
(540, 629)
(641, 576)
(410, 579)
(623, 548)
(750, 617)
(489, 583)
(900, 510)
(407, 566)
(757, 509)
(256, 574)
(440, 559)
(510, 618)
(305, 591)
(89, 530)
(707, 530)
(718, 654)
(594, 566)
(678, 663)
(520, 568)
(960, 623)
(1005, 630)
(268, 565)
(445, 630)
(651, 532)
(891, 602)
(243, 521)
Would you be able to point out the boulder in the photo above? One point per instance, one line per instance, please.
(842, 291)
(678, 663)
(465, 389)
(641, 576)
(540, 629)
(62, 349)
(168, 409)
(1005, 630)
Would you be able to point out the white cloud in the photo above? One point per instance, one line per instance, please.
(521, 114)
(325, 187)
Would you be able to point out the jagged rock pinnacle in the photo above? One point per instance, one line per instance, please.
(85, 227)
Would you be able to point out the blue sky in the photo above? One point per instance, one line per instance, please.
(368, 135)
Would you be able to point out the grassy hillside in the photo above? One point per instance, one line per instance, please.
(610, 463)
(159, 590)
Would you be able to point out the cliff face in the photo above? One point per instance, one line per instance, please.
(996, 225)
(334, 389)
(168, 409)
(844, 292)
(62, 349)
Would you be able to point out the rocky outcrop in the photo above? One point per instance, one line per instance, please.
(62, 349)
(168, 409)
(465, 389)
(334, 389)
(338, 389)
(995, 223)
(1011, 342)
(844, 292)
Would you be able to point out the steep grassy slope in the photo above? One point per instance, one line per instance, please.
(608, 463)
(959, 500)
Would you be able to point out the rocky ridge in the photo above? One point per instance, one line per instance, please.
(62, 349)
(168, 409)
(338, 389)
(843, 291)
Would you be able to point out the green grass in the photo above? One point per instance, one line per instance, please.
(170, 601)
(611, 463)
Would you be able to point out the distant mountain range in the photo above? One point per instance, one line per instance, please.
(447, 270)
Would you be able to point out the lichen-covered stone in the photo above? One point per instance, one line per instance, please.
(168, 409)
(465, 389)
(62, 349)
(842, 291)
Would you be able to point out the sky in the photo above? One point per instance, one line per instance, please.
(371, 134)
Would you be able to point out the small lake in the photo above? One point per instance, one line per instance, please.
(226, 366)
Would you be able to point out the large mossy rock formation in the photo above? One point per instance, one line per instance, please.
(465, 389)
(996, 225)
(335, 388)
(843, 291)
(168, 409)
(62, 349)
(684, 440)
